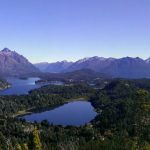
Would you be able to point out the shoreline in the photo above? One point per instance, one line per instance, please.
(21, 113)
(29, 111)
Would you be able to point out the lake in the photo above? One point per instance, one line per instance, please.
(75, 113)
(23, 86)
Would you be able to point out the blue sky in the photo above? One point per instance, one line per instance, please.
(51, 30)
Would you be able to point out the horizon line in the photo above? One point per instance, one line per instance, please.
(78, 59)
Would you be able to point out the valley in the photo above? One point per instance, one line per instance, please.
(75, 75)
(79, 109)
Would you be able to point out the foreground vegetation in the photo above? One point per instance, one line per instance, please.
(123, 122)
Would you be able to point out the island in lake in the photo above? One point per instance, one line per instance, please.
(4, 84)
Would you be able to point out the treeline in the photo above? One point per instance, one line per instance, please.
(78, 75)
(48, 96)
(67, 91)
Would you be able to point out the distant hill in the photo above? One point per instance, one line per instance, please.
(78, 75)
(42, 66)
(126, 67)
(57, 67)
(85, 74)
(14, 64)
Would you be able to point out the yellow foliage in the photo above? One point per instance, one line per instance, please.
(147, 147)
(25, 147)
(36, 140)
(19, 147)
(142, 92)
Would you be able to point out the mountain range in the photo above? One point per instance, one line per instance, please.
(14, 64)
(57, 67)
(126, 67)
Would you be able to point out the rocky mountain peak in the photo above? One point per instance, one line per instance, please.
(6, 50)
(12, 63)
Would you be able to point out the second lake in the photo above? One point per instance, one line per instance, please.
(75, 113)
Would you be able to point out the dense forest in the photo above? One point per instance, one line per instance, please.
(75, 76)
(122, 123)
(47, 96)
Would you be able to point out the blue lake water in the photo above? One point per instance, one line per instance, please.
(75, 113)
(23, 86)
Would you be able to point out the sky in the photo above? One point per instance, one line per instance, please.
(55, 30)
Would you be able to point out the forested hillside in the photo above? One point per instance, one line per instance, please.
(122, 123)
